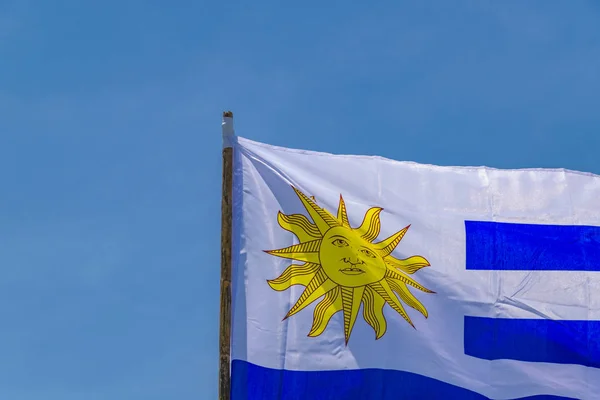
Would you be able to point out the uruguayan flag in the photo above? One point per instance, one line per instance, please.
(365, 278)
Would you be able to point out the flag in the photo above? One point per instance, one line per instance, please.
(360, 277)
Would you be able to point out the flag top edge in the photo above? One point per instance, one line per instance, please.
(240, 140)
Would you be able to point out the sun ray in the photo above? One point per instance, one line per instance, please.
(371, 225)
(322, 218)
(325, 310)
(373, 311)
(383, 289)
(407, 296)
(409, 265)
(307, 251)
(316, 288)
(342, 216)
(300, 226)
(386, 246)
(294, 275)
(351, 299)
(405, 279)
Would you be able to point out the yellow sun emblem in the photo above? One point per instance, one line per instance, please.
(343, 264)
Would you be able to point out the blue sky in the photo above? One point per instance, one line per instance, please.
(110, 151)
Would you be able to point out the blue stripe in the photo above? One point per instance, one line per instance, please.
(252, 382)
(536, 340)
(508, 246)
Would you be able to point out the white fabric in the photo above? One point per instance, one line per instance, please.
(227, 131)
(435, 201)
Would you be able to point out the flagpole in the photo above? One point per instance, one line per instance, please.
(226, 226)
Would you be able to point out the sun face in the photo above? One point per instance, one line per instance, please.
(349, 260)
(346, 269)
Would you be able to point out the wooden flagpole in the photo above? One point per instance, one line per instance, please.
(226, 227)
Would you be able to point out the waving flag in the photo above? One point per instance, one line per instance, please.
(360, 277)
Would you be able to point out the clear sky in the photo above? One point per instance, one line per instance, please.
(110, 151)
